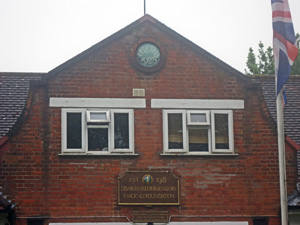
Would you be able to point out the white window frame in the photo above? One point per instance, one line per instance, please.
(64, 130)
(166, 131)
(230, 131)
(130, 127)
(85, 126)
(87, 136)
(209, 140)
(89, 120)
(186, 127)
(189, 122)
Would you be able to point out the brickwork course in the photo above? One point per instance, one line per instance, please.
(55, 187)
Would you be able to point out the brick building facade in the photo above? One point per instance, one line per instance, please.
(144, 101)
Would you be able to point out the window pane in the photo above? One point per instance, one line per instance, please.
(175, 131)
(121, 130)
(98, 139)
(74, 131)
(198, 140)
(98, 116)
(221, 131)
(198, 118)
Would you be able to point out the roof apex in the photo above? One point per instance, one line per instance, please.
(138, 22)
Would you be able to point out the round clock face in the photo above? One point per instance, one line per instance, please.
(148, 55)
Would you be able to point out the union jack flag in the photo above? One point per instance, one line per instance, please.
(284, 42)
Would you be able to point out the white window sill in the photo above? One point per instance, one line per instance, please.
(200, 154)
(96, 154)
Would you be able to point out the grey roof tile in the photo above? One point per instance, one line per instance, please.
(14, 89)
(291, 109)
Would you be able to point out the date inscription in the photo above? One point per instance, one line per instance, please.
(148, 188)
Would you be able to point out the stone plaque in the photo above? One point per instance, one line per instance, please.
(148, 188)
(150, 216)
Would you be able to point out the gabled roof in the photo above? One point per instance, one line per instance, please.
(14, 90)
(14, 87)
(145, 19)
(291, 109)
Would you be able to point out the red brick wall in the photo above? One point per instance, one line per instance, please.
(212, 188)
(291, 164)
(23, 163)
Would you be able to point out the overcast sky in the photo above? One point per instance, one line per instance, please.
(39, 35)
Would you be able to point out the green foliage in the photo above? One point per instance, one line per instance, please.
(270, 65)
(251, 63)
(296, 66)
(265, 63)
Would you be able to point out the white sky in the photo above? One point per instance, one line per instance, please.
(39, 35)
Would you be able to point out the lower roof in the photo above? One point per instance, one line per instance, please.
(14, 90)
(291, 109)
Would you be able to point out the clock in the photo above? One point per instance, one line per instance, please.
(148, 55)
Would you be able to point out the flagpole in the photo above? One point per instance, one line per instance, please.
(285, 53)
(281, 156)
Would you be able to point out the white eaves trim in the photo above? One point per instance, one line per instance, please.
(91, 223)
(98, 102)
(210, 223)
(197, 104)
(170, 223)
